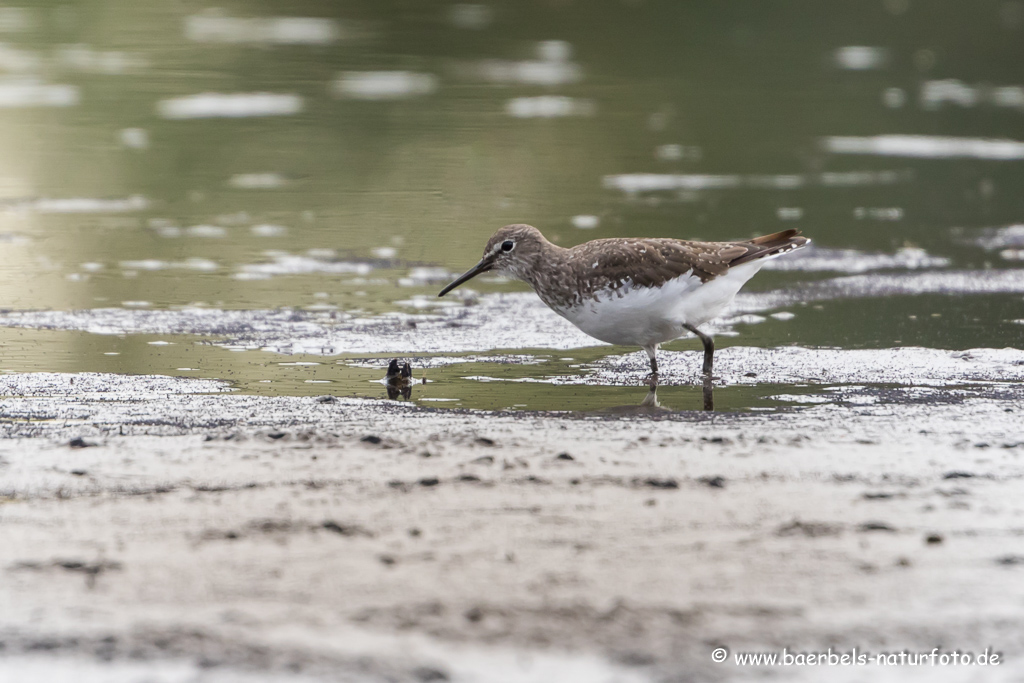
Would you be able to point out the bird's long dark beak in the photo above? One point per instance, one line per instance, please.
(482, 267)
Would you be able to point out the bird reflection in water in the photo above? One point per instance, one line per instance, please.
(651, 406)
(398, 380)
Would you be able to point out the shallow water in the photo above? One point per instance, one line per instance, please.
(335, 165)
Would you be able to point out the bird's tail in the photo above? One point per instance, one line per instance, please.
(767, 246)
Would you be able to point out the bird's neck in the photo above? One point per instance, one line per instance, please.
(547, 268)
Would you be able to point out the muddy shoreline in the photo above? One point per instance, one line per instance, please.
(149, 525)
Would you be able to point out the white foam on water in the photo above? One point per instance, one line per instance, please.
(879, 213)
(926, 147)
(24, 92)
(528, 72)
(549, 106)
(196, 264)
(384, 85)
(471, 16)
(213, 26)
(907, 366)
(634, 183)
(230, 105)
(16, 20)
(258, 181)
(939, 93)
(860, 57)
(551, 67)
(384, 252)
(73, 205)
(585, 222)
(820, 259)
(134, 138)
(291, 264)
(208, 231)
(991, 239)
(427, 275)
(677, 152)
(863, 178)
(14, 60)
(268, 230)
(87, 59)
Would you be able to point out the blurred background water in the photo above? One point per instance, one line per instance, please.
(350, 156)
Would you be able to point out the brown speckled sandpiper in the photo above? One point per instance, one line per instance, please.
(634, 292)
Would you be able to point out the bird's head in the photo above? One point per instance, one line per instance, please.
(512, 250)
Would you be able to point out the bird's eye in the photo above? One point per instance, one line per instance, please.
(508, 245)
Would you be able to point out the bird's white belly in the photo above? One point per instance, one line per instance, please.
(645, 316)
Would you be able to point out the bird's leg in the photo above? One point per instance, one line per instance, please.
(709, 393)
(709, 348)
(652, 379)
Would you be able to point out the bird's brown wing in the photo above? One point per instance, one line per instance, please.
(603, 265)
(653, 262)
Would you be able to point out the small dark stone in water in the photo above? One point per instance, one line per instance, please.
(371, 438)
(809, 529)
(878, 495)
(415, 533)
(750, 374)
(1010, 560)
(933, 539)
(79, 442)
(326, 399)
(428, 674)
(276, 435)
(474, 615)
(387, 560)
(574, 482)
(667, 483)
(483, 460)
(875, 526)
(396, 484)
(429, 481)
(345, 529)
(468, 477)
(79, 473)
(564, 456)
(713, 482)
(636, 659)
(397, 373)
(957, 475)
(484, 441)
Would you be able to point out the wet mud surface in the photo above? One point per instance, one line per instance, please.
(162, 524)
